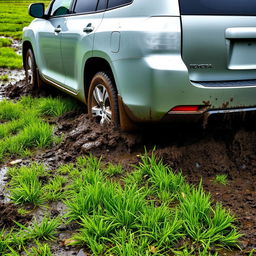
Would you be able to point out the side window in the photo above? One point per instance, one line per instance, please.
(115, 3)
(102, 5)
(60, 7)
(85, 6)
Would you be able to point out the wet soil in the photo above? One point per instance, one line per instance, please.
(9, 215)
(14, 75)
(221, 148)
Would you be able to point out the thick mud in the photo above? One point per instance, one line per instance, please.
(9, 215)
(200, 153)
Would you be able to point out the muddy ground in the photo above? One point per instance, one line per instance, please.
(223, 147)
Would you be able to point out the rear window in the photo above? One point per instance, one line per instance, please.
(218, 7)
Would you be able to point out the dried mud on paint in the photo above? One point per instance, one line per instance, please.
(201, 154)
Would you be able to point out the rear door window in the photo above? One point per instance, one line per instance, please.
(85, 6)
(218, 7)
(115, 3)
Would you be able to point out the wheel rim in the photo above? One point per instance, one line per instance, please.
(30, 74)
(101, 108)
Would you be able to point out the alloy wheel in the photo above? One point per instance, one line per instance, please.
(101, 108)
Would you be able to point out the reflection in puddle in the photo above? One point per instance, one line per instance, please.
(3, 181)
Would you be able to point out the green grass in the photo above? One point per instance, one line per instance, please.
(39, 250)
(42, 230)
(113, 170)
(25, 185)
(4, 42)
(54, 190)
(23, 127)
(115, 217)
(9, 58)
(54, 107)
(4, 78)
(14, 16)
(221, 179)
(205, 223)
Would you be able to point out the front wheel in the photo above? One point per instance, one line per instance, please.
(102, 99)
(33, 79)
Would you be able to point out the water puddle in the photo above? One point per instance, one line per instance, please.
(12, 75)
(4, 198)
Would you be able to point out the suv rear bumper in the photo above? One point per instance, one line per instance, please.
(156, 84)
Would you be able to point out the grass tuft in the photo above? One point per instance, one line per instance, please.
(221, 179)
(113, 170)
(39, 250)
(54, 190)
(4, 78)
(56, 106)
(25, 185)
(207, 224)
(42, 230)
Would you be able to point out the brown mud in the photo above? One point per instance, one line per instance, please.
(224, 147)
(9, 215)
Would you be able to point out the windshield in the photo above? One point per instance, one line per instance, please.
(218, 7)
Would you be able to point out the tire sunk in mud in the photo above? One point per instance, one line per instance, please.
(33, 79)
(102, 99)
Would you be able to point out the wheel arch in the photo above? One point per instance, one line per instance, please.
(94, 65)
(25, 46)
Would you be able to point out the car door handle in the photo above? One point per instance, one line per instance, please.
(89, 28)
(57, 30)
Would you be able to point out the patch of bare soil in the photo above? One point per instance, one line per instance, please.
(9, 215)
(200, 153)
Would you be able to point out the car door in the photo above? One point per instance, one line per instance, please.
(77, 39)
(49, 41)
(219, 40)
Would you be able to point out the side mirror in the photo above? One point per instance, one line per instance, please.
(36, 10)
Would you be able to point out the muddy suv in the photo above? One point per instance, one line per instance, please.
(146, 60)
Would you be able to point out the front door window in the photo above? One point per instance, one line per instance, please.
(60, 7)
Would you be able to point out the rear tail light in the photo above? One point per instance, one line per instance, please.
(187, 109)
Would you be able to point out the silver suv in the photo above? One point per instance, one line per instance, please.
(146, 60)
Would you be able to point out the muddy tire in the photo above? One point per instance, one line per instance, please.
(102, 99)
(32, 77)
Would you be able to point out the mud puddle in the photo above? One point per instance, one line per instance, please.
(12, 75)
(200, 153)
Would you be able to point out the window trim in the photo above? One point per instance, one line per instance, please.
(71, 14)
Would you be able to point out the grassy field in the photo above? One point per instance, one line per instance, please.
(23, 127)
(150, 211)
(13, 17)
